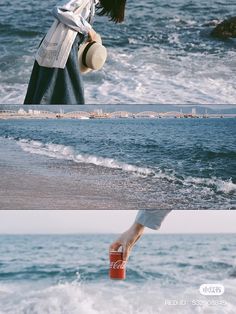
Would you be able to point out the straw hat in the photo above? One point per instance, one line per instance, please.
(92, 55)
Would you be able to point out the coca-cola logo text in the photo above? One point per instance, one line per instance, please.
(119, 264)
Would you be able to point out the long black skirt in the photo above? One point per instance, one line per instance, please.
(57, 86)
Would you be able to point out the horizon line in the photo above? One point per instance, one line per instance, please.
(110, 233)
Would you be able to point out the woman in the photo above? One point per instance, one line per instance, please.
(56, 76)
(145, 218)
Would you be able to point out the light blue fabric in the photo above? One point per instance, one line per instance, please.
(151, 218)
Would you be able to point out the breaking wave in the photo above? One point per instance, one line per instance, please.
(68, 153)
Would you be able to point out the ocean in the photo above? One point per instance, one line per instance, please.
(68, 274)
(140, 163)
(163, 53)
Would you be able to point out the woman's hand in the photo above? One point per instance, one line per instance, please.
(92, 35)
(127, 240)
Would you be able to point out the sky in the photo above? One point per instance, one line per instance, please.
(116, 221)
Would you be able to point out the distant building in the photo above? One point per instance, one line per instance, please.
(98, 111)
(22, 111)
(34, 112)
(194, 111)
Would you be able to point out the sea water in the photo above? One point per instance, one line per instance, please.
(163, 163)
(163, 53)
(68, 274)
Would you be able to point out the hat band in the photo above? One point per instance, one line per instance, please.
(86, 49)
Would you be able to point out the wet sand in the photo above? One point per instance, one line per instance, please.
(39, 182)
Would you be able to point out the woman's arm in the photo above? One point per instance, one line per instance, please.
(75, 22)
(145, 218)
(127, 240)
(92, 35)
(74, 14)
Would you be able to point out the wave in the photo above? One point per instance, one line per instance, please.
(86, 274)
(27, 274)
(210, 186)
(73, 298)
(61, 298)
(233, 273)
(12, 30)
(215, 184)
(68, 153)
(210, 154)
(103, 298)
(227, 187)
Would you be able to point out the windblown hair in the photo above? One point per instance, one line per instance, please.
(115, 9)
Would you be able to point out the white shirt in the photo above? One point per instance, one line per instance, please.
(81, 24)
(71, 19)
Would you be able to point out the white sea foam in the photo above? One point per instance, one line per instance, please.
(12, 93)
(218, 184)
(157, 77)
(163, 77)
(68, 153)
(5, 289)
(207, 184)
(72, 298)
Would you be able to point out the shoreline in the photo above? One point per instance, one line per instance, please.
(42, 171)
(80, 115)
(42, 183)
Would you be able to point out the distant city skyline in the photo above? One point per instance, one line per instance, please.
(132, 108)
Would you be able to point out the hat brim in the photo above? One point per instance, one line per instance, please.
(83, 68)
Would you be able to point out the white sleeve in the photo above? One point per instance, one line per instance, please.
(151, 218)
(74, 21)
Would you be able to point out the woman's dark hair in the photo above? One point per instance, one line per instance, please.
(115, 9)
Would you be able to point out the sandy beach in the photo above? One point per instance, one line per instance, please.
(117, 164)
(43, 183)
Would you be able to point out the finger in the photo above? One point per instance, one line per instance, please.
(115, 246)
(126, 252)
